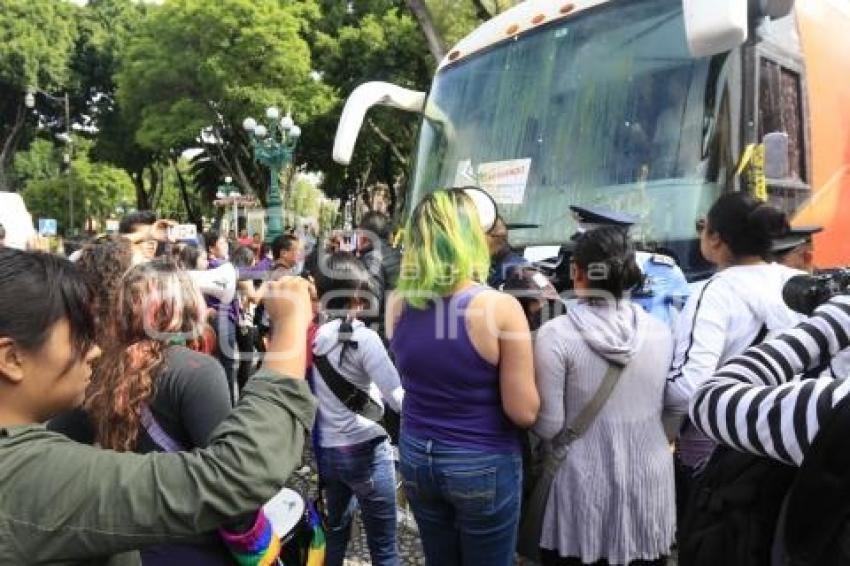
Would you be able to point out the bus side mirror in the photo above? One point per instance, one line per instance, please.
(359, 102)
(715, 26)
(776, 157)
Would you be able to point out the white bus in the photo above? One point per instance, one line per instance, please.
(640, 106)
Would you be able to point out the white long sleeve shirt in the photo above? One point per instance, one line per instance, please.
(724, 316)
(755, 404)
(368, 367)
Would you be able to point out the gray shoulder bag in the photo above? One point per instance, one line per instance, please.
(534, 507)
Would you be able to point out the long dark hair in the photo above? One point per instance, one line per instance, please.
(38, 290)
(608, 256)
(745, 224)
(344, 278)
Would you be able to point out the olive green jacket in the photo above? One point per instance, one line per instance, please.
(67, 503)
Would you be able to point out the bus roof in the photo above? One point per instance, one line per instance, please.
(514, 22)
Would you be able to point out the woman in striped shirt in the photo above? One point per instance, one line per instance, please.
(755, 404)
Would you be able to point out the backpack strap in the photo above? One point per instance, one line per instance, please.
(352, 397)
(158, 434)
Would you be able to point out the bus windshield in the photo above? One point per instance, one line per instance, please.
(603, 109)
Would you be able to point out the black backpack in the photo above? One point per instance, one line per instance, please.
(733, 516)
(732, 511)
(817, 522)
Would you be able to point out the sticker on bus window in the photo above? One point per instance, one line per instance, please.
(505, 180)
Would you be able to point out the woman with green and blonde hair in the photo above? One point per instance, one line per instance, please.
(465, 356)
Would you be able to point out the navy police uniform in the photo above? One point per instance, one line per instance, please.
(665, 288)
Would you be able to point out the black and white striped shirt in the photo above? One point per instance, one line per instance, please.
(756, 404)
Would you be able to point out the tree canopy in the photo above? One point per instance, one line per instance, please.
(147, 81)
(37, 38)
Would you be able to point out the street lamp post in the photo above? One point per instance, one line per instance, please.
(273, 147)
(29, 102)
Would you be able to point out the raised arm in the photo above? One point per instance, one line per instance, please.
(753, 405)
(83, 502)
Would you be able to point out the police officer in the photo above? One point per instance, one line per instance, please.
(796, 249)
(665, 288)
(503, 259)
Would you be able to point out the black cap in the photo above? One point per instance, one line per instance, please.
(595, 216)
(797, 236)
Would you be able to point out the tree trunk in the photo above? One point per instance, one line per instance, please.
(7, 150)
(426, 24)
(481, 10)
(142, 201)
(155, 192)
(194, 218)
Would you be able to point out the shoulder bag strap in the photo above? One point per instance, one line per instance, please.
(157, 433)
(582, 422)
(352, 397)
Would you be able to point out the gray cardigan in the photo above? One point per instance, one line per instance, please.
(613, 496)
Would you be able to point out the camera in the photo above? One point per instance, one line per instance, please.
(805, 293)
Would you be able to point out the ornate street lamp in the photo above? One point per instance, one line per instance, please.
(273, 147)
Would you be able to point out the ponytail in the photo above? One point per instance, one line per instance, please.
(608, 256)
(748, 226)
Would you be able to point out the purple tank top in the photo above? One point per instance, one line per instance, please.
(451, 393)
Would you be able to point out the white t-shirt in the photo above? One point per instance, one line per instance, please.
(219, 282)
(369, 367)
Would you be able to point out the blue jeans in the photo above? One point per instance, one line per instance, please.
(365, 471)
(466, 503)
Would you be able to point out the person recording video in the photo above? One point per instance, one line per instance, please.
(755, 404)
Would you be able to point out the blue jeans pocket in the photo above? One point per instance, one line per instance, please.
(408, 479)
(471, 490)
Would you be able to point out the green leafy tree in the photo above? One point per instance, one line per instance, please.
(353, 48)
(195, 65)
(36, 41)
(97, 189)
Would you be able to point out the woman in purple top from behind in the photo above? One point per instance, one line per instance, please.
(465, 357)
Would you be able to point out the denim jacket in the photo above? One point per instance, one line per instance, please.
(67, 503)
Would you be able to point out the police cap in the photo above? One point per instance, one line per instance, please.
(589, 217)
(797, 236)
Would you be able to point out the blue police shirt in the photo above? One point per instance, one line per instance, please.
(665, 289)
(499, 271)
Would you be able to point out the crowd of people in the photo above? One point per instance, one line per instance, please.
(181, 380)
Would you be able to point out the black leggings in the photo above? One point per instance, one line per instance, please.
(551, 558)
(245, 339)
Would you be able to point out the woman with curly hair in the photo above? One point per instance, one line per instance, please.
(150, 393)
